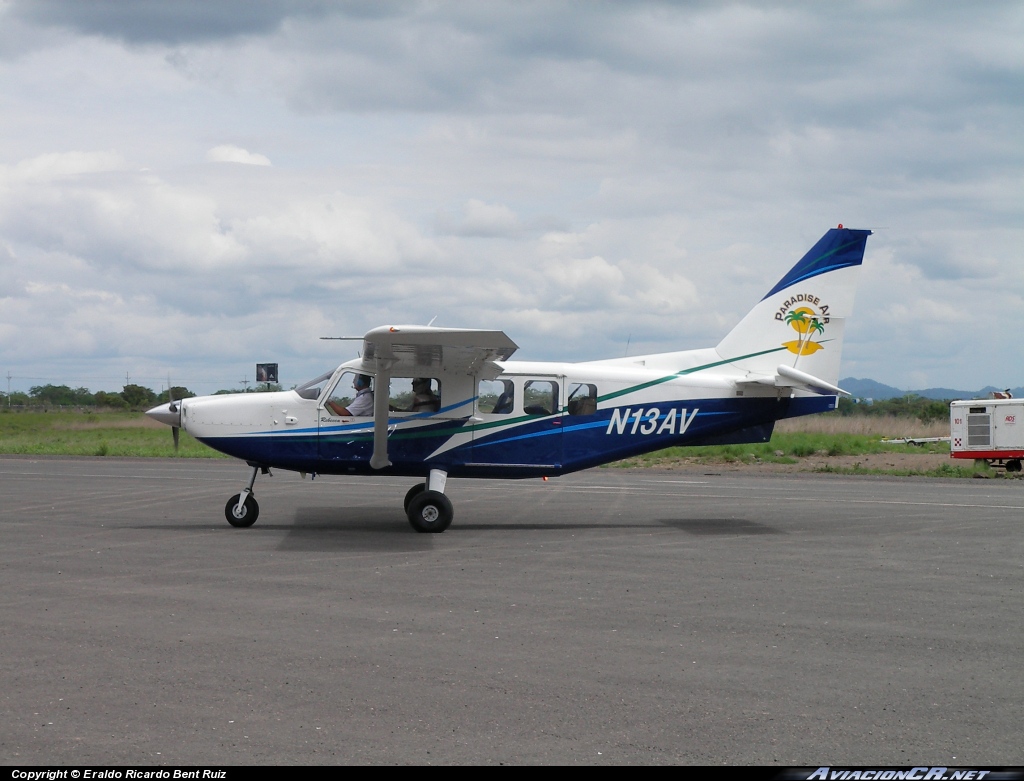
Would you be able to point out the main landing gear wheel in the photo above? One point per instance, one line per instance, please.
(430, 512)
(416, 489)
(247, 517)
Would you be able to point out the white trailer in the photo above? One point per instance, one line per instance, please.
(989, 430)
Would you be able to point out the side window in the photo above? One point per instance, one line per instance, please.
(540, 397)
(346, 396)
(582, 399)
(496, 397)
(414, 394)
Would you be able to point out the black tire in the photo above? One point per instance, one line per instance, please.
(250, 511)
(430, 512)
(416, 489)
(1013, 465)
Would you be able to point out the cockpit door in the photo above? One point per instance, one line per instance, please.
(343, 437)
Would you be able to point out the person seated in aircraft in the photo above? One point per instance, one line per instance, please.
(504, 404)
(362, 404)
(506, 400)
(424, 399)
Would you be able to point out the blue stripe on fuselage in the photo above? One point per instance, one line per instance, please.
(584, 441)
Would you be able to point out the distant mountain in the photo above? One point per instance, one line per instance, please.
(870, 389)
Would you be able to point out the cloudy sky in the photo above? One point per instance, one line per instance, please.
(188, 188)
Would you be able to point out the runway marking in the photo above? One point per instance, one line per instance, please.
(680, 482)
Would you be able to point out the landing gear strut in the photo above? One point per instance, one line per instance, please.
(429, 510)
(242, 509)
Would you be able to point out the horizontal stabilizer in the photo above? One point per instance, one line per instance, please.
(788, 377)
(794, 378)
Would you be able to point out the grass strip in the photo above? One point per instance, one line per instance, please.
(131, 434)
(117, 434)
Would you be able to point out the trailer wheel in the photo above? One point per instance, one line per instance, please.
(1013, 465)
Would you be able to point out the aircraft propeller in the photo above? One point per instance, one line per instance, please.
(173, 407)
(170, 415)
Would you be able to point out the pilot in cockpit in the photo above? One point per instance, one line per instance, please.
(362, 404)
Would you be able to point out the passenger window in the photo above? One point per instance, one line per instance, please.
(582, 399)
(496, 397)
(414, 394)
(540, 397)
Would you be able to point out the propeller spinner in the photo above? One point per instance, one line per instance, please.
(169, 414)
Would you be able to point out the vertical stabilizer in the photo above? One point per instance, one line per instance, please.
(800, 322)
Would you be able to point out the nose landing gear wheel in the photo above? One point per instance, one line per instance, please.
(248, 515)
(430, 512)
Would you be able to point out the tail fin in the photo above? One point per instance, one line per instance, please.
(799, 324)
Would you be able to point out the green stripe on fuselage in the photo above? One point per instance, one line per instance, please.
(457, 428)
(684, 372)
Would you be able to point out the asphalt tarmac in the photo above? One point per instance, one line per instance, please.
(615, 616)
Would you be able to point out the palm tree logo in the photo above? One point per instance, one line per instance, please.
(805, 322)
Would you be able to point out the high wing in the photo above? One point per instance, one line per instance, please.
(412, 350)
(408, 349)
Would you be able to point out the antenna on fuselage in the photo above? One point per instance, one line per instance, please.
(628, 339)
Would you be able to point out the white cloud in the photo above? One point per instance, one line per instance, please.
(482, 220)
(62, 165)
(125, 220)
(229, 153)
(336, 234)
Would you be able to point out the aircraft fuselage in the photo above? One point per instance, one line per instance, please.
(627, 412)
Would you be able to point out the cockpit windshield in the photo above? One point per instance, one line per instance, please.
(313, 388)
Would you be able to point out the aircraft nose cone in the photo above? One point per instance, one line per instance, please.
(167, 413)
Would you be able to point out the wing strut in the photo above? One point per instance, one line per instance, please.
(381, 395)
(418, 350)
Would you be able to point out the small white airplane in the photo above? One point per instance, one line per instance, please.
(434, 403)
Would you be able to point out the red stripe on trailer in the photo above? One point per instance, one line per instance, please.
(998, 454)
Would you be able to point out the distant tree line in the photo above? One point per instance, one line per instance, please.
(130, 397)
(909, 406)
